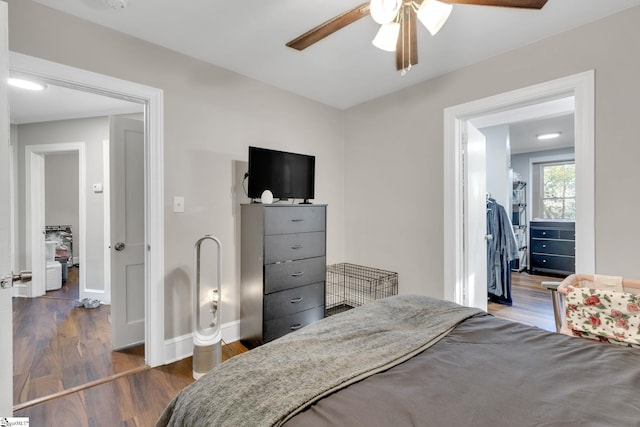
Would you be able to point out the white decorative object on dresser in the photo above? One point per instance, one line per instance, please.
(283, 271)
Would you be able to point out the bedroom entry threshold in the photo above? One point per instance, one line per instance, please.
(81, 387)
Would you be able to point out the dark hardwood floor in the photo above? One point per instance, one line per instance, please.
(531, 302)
(70, 288)
(132, 400)
(57, 346)
(137, 399)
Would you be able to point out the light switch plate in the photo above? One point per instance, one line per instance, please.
(97, 188)
(178, 204)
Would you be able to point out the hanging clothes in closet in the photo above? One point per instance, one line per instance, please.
(502, 248)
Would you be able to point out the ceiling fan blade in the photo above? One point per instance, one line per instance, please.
(526, 4)
(331, 26)
(407, 47)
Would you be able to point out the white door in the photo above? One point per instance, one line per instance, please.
(475, 218)
(6, 315)
(127, 231)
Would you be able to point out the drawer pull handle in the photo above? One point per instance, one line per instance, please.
(296, 326)
(296, 247)
(296, 300)
(544, 246)
(544, 260)
(297, 220)
(298, 274)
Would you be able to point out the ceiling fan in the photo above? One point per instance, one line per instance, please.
(397, 19)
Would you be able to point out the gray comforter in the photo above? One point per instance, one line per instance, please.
(268, 385)
(491, 372)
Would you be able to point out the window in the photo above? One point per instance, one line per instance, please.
(558, 190)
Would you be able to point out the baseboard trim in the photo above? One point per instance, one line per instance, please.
(98, 294)
(181, 347)
(20, 290)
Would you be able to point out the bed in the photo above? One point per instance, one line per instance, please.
(414, 361)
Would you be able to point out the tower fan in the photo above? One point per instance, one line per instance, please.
(207, 334)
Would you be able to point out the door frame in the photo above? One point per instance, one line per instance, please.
(153, 101)
(582, 87)
(6, 220)
(35, 213)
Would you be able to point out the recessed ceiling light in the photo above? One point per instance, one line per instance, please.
(26, 84)
(550, 135)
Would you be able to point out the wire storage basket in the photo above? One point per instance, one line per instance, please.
(351, 285)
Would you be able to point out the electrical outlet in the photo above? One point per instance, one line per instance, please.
(178, 204)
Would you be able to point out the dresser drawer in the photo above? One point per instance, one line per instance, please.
(284, 303)
(287, 275)
(287, 247)
(283, 325)
(293, 219)
(538, 233)
(557, 247)
(567, 234)
(553, 262)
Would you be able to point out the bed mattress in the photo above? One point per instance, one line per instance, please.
(492, 372)
(417, 361)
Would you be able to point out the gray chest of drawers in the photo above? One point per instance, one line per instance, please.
(553, 247)
(283, 269)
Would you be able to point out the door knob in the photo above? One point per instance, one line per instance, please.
(119, 246)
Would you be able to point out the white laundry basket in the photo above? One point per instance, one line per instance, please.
(54, 276)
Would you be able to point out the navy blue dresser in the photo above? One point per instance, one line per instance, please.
(553, 247)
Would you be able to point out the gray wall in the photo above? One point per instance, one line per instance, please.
(406, 162)
(211, 116)
(92, 132)
(498, 153)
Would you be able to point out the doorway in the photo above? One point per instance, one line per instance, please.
(152, 99)
(63, 344)
(461, 279)
(149, 100)
(33, 243)
(515, 155)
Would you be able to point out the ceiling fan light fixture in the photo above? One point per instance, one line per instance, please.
(433, 14)
(387, 37)
(384, 11)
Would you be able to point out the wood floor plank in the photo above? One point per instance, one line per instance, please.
(531, 302)
(69, 289)
(133, 400)
(58, 346)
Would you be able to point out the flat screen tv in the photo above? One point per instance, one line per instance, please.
(286, 175)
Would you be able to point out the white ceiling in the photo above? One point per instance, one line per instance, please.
(59, 103)
(527, 122)
(344, 69)
(523, 135)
